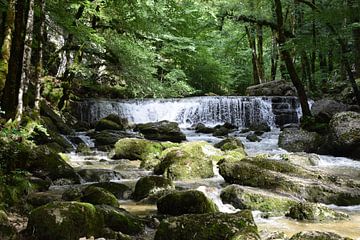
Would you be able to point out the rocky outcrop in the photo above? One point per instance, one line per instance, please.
(324, 109)
(146, 186)
(299, 140)
(273, 88)
(191, 160)
(214, 226)
(161, 131)
(185, 202)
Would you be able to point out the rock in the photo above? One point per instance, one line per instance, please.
(255, 199)
(302, 159)
(273, 235)
(64, 221)
(84, 149)
(191, 160)
(7, 232)
(260, 127)
(298, 140)
(99, 175)
(316, 235)
(57, 121)
(111, 122)
(149, 185)
(273, 88)
(120, 191)
(252, 137)
(290, 125)
(120, 220)
(201, 128)
(214, 226)
(230, 143)
(42, 198)
(139, 149)
(72, 194)
(185, 202)
(109, 137)
(98, 196)
(314, 212)
(221, 131)
(161, 131)
(345, 134)
(39, 184)
(324, 109)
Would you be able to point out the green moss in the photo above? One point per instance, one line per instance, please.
(185, 202)
(62, 221)
(96, 195)
(105, 124)
(151, 184)
(316, 235)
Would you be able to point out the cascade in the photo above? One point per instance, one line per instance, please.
(239, 110)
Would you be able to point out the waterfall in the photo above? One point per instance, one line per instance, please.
(241, 111)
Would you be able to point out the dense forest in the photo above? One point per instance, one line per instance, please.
(55, 53)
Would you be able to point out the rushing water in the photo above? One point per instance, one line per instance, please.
(241, 111)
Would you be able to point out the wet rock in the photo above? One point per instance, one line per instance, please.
(161, 131)
(324, 109)
(221, 131)
(42, 198)
(111, 122)
(260, 127)
(120, 191)
(273, 235)
(316, 235)
(83, 149)
(191, 160)
(109, 137)
(345, 134)
(120, 220)
(39, 184)
(298, 140)
(185, 202)
(62, 221)
(255, 199)
(214, 226)
(302, 159)
(99, 175)
(273, 88)
(290, 125)
(98, 196)
(72, 194)
(314, 212)
(252, 137)
(201, 128)
(230, 143)
(150, 185)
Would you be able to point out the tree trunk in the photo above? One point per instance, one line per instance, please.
(252, 45)
(6, 44)
(274, 56)
(11, 89)
(39, 59)
(260, 53)
(25, 75)
(324, 75)
(288, 60)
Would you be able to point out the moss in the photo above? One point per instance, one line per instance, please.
(120, 191)
(214, 226)
(185, 202)
(61, 221)
(150, 184)
(84, 149)
(105, 124)
(96, 195)
(231, 144)
(314, 213)
(316, 235)
(161, 131)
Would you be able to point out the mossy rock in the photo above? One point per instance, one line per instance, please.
(65, 221)
(192, 160)
(149, 185)
(105, 124)
(201, 128)
(221, 131)
(252, 137)
(109, 137)
(314, 212)
(99, 175)
(120, 220)
(161, 131)
(120, 191)
(72, 194)
(214, 226)
(83, 149)
(57, 121)
(298, 140)
(317, 235)
(230, 143)
(254, 199)
(7, 232)
(138, 149)
(42, 198)
(97, 196)
(186, 202)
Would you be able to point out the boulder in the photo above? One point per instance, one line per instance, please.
(72, 194)
(316, 235)
(221, 131)
(149, 185)
(161, 131)
(111, 122)
(201, 128)
(345, 134)
(7, 232)
(298, 140)
(120, 220)
(65, 221)
(185, 202)
(314, 212)
(58, 123)
(323, 110)
(252, 137)
(98, 196)
(260, 127)
(99, 175)
(120, 191)
(255, 199)
(273, 88)
(191, 160)
(109, 137)
(42, 198)
(214, 226)
(231, 143)
(83, 149)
